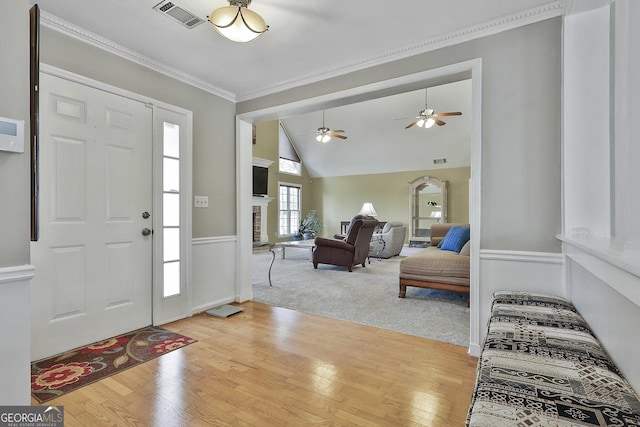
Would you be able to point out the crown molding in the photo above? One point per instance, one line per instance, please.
(507, 22)
(58, 24)
(504, 23)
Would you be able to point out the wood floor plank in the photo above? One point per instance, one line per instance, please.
(271, 366)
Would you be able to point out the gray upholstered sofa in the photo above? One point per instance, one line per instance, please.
(388, 243)
(435, 268)
(541, 365)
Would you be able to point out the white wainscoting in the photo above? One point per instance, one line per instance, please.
(15, 334)
(214, 272)
(605, 288)
(513, 270)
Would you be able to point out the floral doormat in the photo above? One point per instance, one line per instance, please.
(53, 377)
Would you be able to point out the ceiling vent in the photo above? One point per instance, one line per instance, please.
(439, 161)
(178, 14)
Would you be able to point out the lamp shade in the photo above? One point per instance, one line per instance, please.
(368, 210)
(237, 23)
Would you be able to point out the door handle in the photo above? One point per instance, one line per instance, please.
(146, 232)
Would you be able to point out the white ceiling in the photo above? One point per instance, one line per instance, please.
(308, 41)
(377, 141)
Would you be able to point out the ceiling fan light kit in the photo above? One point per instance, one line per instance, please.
(427, 118)
(237, 23)
(324, 134)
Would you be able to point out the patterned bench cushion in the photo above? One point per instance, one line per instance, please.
(541, 365)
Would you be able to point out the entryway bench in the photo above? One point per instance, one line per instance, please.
(541, 365)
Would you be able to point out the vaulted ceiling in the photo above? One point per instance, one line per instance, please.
(308, 41)
(377, 141)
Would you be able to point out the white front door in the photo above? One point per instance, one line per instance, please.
(93, 263)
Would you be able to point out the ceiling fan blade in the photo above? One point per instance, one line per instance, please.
(451, 113)
(411, 124)
(340, 130)
(338, 136)
(439, 122)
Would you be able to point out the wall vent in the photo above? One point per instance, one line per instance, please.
(178, 14)
(439, 161)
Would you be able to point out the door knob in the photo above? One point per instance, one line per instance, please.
(145, 215)
(146, 232)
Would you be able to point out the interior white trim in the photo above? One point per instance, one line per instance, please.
(523, 256)
(607, 267)
(20, 273)
(212, 240)
(15, 289)
(508, 22)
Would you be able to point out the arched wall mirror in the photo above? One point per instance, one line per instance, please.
(428, 205)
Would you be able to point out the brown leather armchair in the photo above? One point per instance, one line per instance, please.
(353, 250)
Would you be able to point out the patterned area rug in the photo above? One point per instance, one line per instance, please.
(53, 377)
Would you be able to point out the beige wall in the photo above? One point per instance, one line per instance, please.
(14, 103)
(521, 88)
(213, 122)
(340, 198)
(266, 147)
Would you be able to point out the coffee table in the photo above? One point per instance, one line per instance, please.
(304, 244)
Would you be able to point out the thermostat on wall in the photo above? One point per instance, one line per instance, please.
(11, 135)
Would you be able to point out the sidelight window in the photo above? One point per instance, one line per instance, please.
(171, 209)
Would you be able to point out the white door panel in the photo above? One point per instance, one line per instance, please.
(93, 264)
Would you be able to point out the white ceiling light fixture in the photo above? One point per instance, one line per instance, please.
(237, 23)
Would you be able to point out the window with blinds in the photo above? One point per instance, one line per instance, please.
(289, 161)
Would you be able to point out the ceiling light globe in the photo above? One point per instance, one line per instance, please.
(420, 123)
(323, 138)
(238, 24)
(430, 122)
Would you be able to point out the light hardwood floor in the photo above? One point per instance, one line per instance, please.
(270, 366)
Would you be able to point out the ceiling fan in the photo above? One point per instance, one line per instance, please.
(324, 134)
(428, 117)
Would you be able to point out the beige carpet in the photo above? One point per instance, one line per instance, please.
(367, 296)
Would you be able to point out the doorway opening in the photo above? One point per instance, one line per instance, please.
(471, 69)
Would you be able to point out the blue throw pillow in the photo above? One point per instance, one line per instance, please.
(456, 238)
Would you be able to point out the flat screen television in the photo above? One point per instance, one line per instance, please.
(260, 180)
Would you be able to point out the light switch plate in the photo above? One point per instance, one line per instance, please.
(201, 202)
